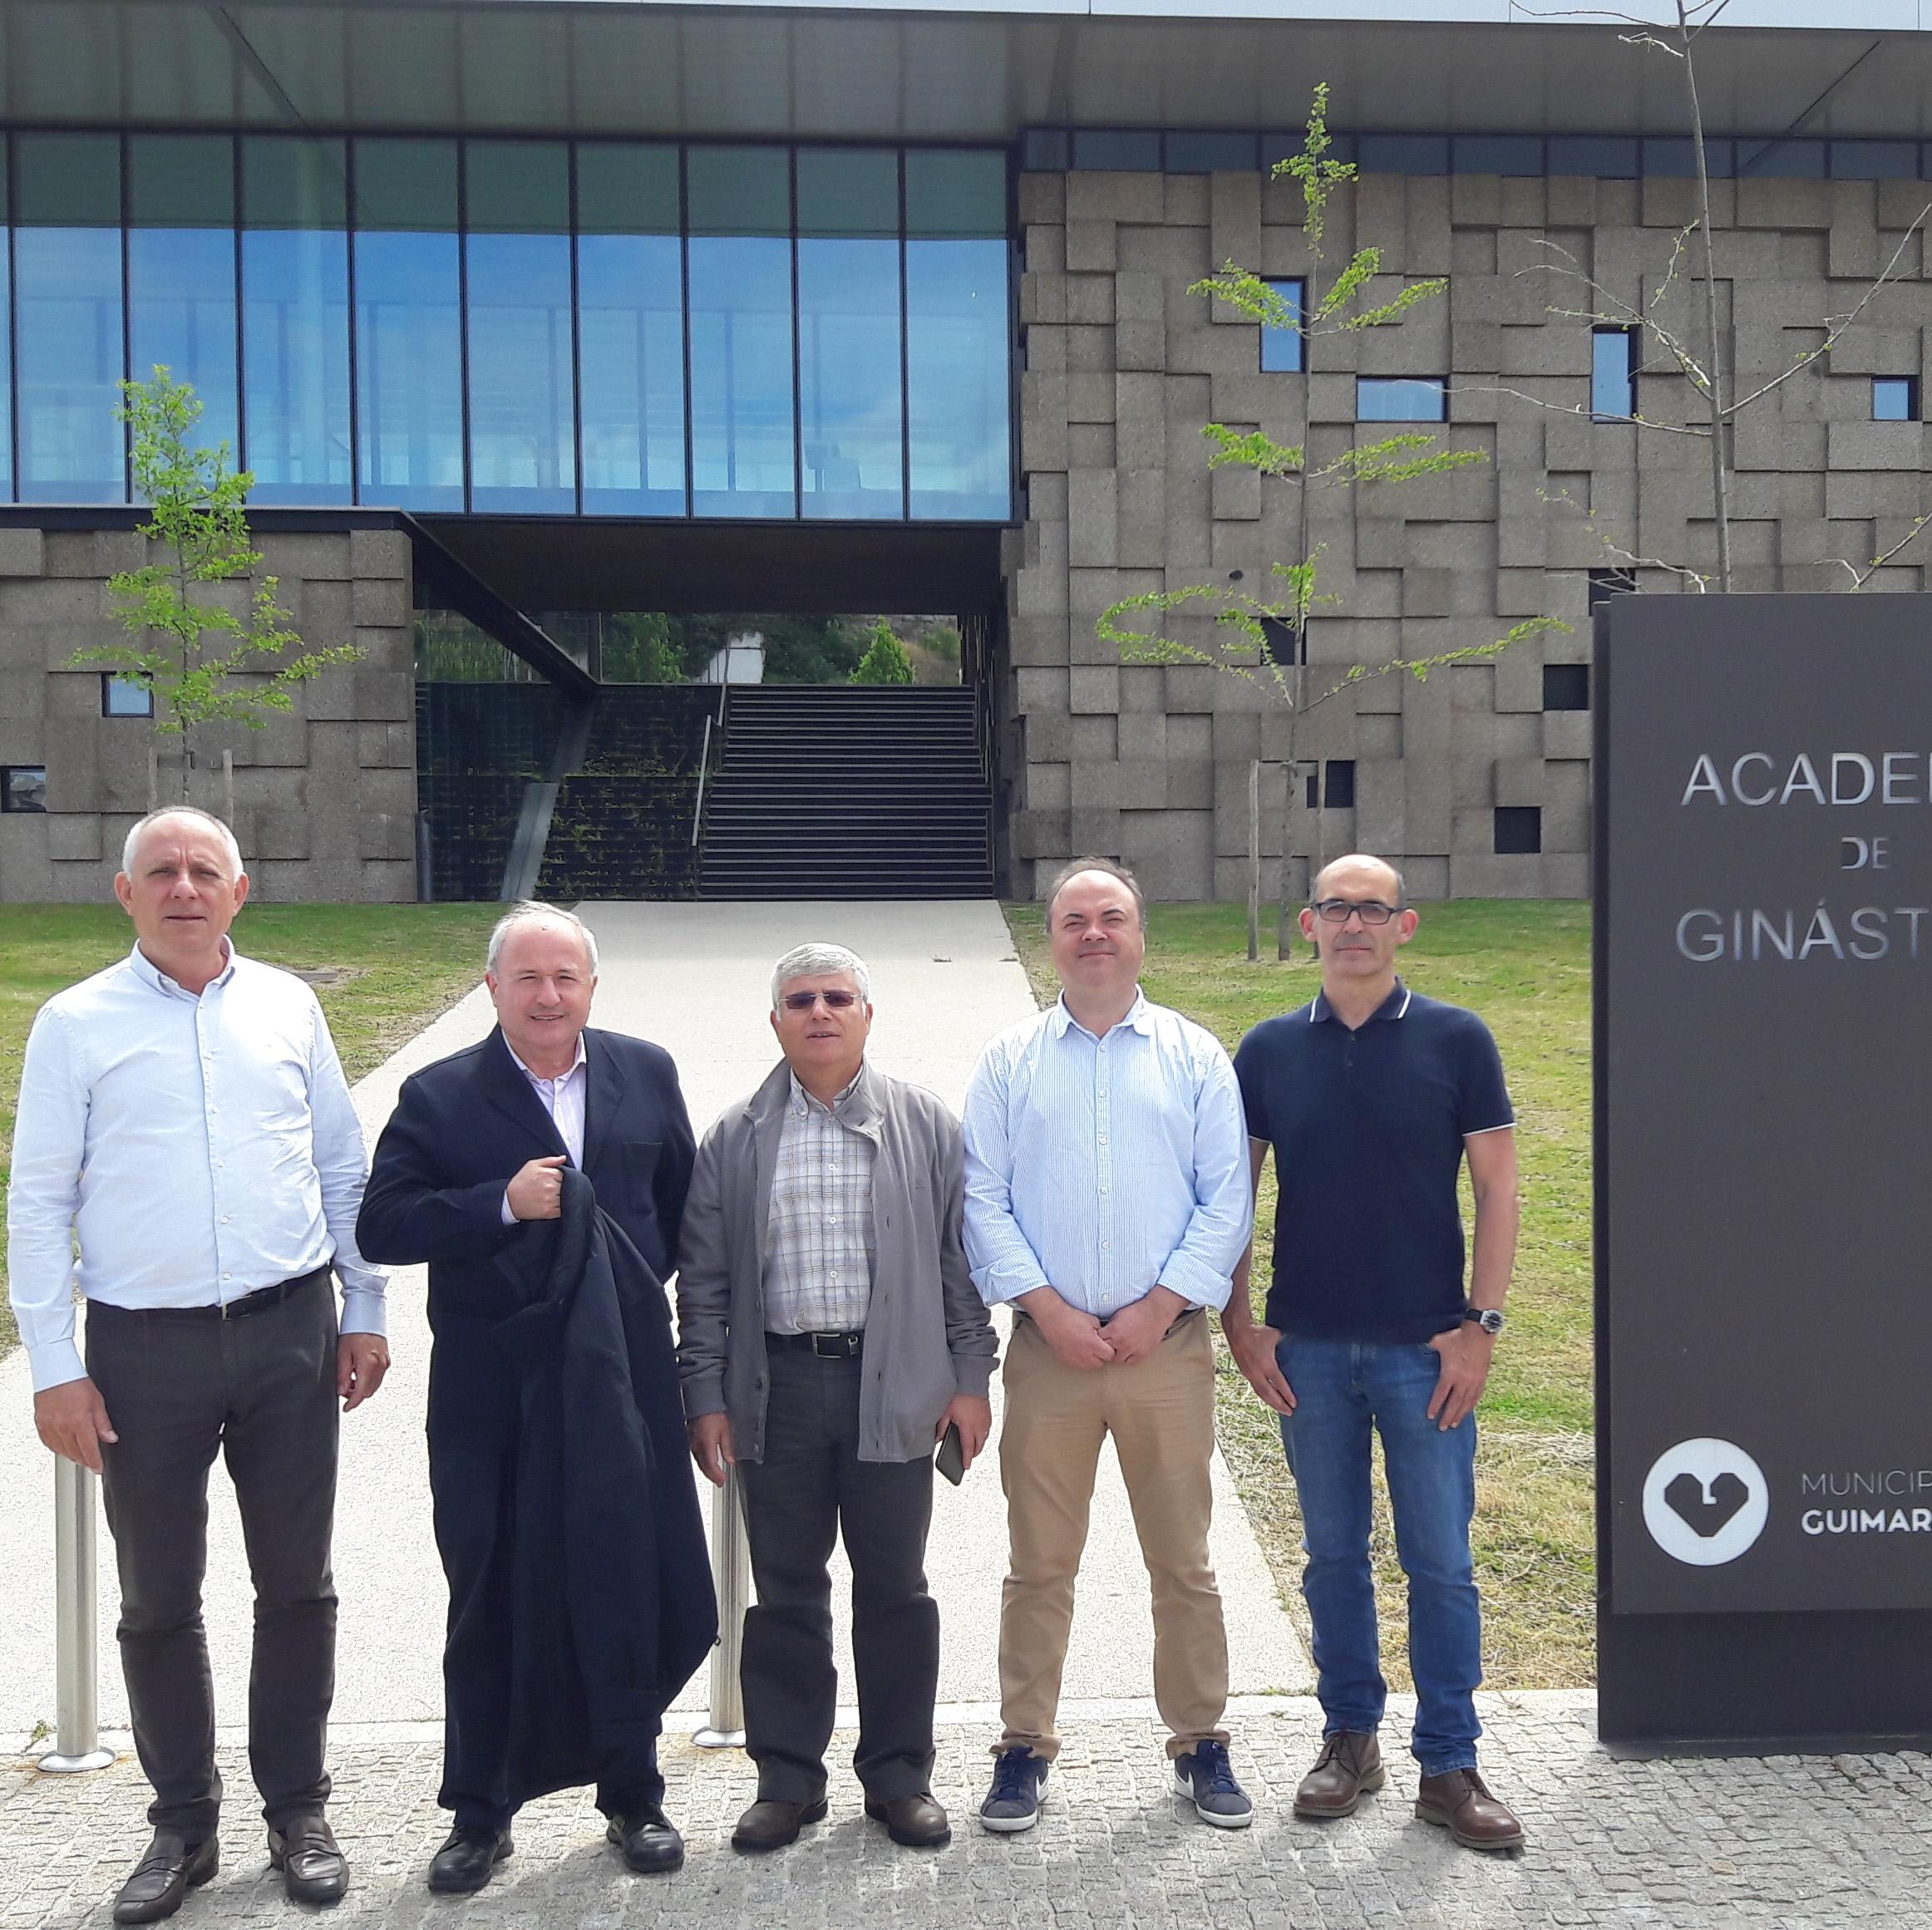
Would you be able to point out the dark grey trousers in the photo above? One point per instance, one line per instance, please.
(179, 1384)
(810, 1488)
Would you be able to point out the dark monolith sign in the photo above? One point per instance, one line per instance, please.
(1764, 1167)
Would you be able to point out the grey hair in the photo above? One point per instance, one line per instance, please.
(1401, 890)
(131, 844)
(813, 962)
(523, 913)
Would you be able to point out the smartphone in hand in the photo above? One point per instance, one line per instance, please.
(951, 1459)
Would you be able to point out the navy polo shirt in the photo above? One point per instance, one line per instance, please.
(1367, 1128)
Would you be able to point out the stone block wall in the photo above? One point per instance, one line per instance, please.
(1121, 366)
(325, 796)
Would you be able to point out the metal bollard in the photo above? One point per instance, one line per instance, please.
(731, 1570)
(78, 1739)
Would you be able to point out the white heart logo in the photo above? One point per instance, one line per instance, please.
(1705, 1502)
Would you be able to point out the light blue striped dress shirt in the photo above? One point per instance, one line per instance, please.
(198, 1149)
(1106, 1167)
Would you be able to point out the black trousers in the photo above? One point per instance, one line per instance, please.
(810, 1486)
(179, 1384)
(473, 1419)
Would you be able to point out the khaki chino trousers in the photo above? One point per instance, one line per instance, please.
(1160, 1412)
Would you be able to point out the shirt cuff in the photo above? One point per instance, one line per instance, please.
(1004, 1282)
(364, 1311)
(971, 1374)
(54, 1363)
(1200, 1286)
(508, 1217)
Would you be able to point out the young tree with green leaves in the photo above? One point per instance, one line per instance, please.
(1243, 636)
(886, 660)
(203, 661)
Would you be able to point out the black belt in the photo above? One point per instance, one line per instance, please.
(827, 1347)
(259, 1302)
(1180, 1319)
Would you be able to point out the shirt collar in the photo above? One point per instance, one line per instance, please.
(1396, 1006)
(1140, 1016)
(852, 1108)
(156, 980)
(536, 1078)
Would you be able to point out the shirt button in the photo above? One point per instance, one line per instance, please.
(1105, 1245)
(228, 1276)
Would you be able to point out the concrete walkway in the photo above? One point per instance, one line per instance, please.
(695, 977)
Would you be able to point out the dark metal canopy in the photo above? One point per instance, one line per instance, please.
(941, 71)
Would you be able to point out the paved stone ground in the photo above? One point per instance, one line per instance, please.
(1800, 1843)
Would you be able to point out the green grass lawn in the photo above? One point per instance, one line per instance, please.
(1525, 968)
(400, 966)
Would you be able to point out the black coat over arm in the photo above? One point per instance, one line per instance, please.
(557, 1665)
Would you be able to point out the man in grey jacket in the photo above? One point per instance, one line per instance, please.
(829, 1335)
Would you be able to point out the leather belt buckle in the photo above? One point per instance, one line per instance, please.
(835, 1346)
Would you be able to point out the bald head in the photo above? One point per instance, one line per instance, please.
(1359, 876)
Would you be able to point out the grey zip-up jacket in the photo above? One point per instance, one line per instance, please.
(928, 1334)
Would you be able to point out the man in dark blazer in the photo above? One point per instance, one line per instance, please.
(474, 1152)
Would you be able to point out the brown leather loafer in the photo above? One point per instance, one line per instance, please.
(917, 1821)
(770, 1824)
(1460, 1803)
(1348, 1767)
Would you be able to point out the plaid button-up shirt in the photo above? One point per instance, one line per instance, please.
(819, 1246)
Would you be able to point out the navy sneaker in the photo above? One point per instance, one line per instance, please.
(1019, 1780)
(1206, 1780)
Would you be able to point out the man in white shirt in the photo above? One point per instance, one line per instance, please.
(183, 1120)
(1107, 1203)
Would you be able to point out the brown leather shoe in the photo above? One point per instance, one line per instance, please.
(916, 1821)
(1459, 1802)
(770, 1824)
(1348, 1767)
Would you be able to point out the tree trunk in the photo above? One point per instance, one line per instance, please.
(1720, 424)
(1254, 860)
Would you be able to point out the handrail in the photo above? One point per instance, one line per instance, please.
(703, 765)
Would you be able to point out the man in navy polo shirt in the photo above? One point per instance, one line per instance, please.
(1371, 1098)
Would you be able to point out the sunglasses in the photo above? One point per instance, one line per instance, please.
(836, 999)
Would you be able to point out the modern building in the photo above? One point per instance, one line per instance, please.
(521, 307)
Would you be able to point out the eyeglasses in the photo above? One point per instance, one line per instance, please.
(1338, 911)
(837, 1000)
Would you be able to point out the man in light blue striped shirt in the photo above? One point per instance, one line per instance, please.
(1108, 1202)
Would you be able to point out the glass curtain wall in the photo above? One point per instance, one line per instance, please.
(181, 274)
(69, 341)
(517, 326)
(409, 330)
(851, 416)
(295, 320)
(957, 327)
(630, 324)
(522, 350)
(744, 444)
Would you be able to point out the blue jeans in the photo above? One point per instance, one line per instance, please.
(1343, 1390)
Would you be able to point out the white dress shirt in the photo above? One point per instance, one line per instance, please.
(562, 1099)
(197, 1148)
(1106, 1167)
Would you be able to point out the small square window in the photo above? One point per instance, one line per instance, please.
(1895, 398)
(124, 696)
(1566, 687)
(1337, 783)
(1519, 830)
(1117, 150)
(1613, 374)
(1283, 643)
(1401, 399)
(23, 787)
(1605, 583)
(1281, 348)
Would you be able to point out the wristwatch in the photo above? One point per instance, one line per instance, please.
(1490, 1319)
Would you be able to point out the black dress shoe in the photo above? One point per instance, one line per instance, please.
(768, 1825)
(649, 1840)
(313, 1869)
(466, 1861)
(916, 1821)
(165, 1874)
